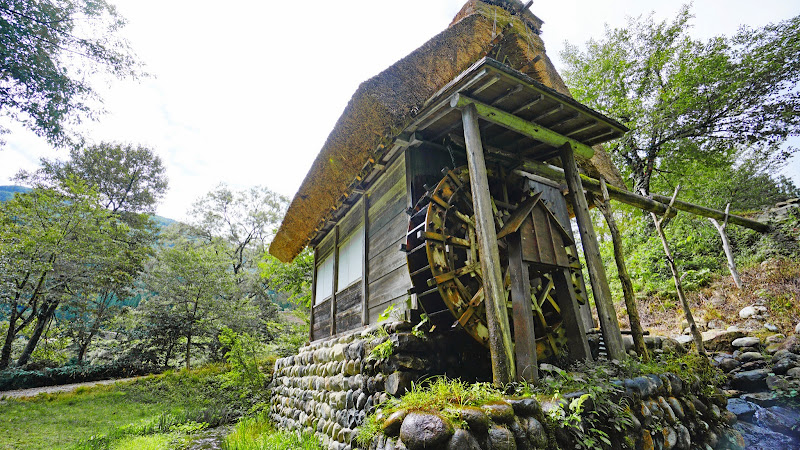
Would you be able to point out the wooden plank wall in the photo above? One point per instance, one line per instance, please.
(388, 276)
(321, 328)
(348, 308)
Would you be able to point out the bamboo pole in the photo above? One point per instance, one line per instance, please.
(500, 345)
(627, 287)
(698, 339)
(726, 245)
(591, 251)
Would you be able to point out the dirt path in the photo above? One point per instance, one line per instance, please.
(33, 392)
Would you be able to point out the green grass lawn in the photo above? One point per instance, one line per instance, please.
(64, 420)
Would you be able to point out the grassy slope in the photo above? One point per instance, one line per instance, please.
(63, 420)
(775, 283)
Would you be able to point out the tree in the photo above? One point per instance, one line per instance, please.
(293, 279)
(126, 183)
(52, 243)
(185, 287)
(246, 220)
(129, 178)
(684, 99)
(51, 50)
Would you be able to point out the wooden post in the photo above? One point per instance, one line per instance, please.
(335, 280)
(524, 331)
(364, 265)
(313, 297)
(698, 339)
(726, 245)
(591, 250)
(627, 286)
(500, 344)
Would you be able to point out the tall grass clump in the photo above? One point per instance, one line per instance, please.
(257, 433)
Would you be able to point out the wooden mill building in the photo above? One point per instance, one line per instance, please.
(420, 198)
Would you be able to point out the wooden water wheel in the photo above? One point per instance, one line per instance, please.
(445, 267)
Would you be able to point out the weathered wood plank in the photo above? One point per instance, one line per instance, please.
(350, 222)
(348, 308)
(500, 344)
(574, 325)
(321, 326)
(392, 285)
(524, 332)
(521, 125)
(386, 236)
(380, 216)
(387, 260)
(591, 251)
(365, 262)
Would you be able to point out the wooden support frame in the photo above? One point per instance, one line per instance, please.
(500, 344)
(520, 125)
(591, 251)
(365, 261)
(524, 331)
(573, 322)
(657, 204)
(313, 297)
(335, 280)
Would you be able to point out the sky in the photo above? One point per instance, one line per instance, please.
(246, 92)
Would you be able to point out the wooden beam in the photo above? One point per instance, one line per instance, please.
(524, 331)
(594, 263)
(520, 125)
(500, 344)
(656, 205)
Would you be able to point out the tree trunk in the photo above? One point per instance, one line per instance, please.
(42, 319)
(188, 347)
(698, 339)
(5, 354)
(627, 287)
(726, 245)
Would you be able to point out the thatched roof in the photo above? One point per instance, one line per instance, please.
(383, 105)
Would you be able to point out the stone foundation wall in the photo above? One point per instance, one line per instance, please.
(329, 387)
(667, 413)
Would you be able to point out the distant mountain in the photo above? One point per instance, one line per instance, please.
(6, 192)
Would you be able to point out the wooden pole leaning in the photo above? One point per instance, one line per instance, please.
(500, 344)
(524, 331)
(591, 250)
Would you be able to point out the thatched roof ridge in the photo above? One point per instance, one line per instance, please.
(383, 105)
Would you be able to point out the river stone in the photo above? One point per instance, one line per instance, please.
(398, 383)
(684, 438)
(499, 411)
(743, 409)
(670, 437)
(669, 414)
(676, 406)
(501, 438)
(763, 399)
(771, 327)
(423, 431)
(780, 419)
(728, 364)
(794, 372)
(477, 420)
(750, 356)
(525, 406)
(792, 343)
(751, 380)
(718, 340)
(535, 431)
(747, 341)
(407, 342)
(756, 437)
(391, 426)
(463, 440)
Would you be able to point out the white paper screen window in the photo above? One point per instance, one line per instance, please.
(324, 286)
(350, 255)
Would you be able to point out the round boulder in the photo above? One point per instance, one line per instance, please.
(424, 431)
